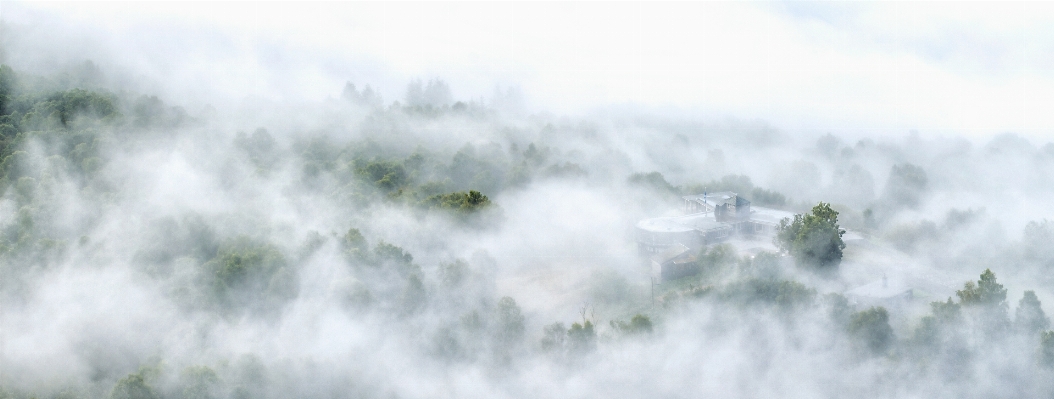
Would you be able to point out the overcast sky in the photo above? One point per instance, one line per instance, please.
(969, 68)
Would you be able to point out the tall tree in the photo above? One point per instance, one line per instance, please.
(814, 238)
(872, 328)
(1030, 317)
(986, 301)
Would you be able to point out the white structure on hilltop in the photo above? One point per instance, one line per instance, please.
(709, 218)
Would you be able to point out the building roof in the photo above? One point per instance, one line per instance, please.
(768, 215)
(672, 253)
(675, 224)
(713, 199)
(667, 224)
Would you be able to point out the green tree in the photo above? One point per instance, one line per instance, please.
(906, 185)
(715, 261)
(838, 308)
(987, 291)
(1046, 348)
(453, 274)
(1030, 317)
(786, 294)
(200, 382)
(944, 315)
(388, 175)
(355, 245)
(414, 294)
(872, 328)
(653, 180)
(814, 239)
(7, 87)
(554, 337)
(763, 197)
(389, 255)
(987, 301)
(638, 325)
(133, 386)
(582, 337)
(245, 274)
(510, 322)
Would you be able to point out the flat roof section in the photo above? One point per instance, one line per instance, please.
(675, 224)
(663, 225)
(768, 215)
(712, 199)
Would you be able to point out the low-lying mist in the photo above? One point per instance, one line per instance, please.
(435, 246)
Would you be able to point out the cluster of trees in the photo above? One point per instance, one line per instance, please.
(982, 308)
(369, 171)
(739, 184)
(582, 337)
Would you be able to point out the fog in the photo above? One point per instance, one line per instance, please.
(434, 200)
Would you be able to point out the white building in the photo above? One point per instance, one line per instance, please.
(709, 218)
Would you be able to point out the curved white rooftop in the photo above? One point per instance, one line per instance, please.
(676, 224)
(664, 225)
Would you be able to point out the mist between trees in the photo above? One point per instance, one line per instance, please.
(429, 247)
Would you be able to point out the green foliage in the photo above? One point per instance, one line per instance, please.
(987, 302)
(1030, 317)
(763, 197)
(692, 292)
(356, 296)
(168, 239)
(535, 156)
(739, 184)
(906, 185)
(568, 169)
(716, 261)
(814, 238)
(872, 328)
(133, 386)
(653, 180)
(8, 81)
(610, 287)
(581, 338)
(65, 106)
(785, 294)
(463, 204)
(355, 245)
(638, 325)
(1036, 242)
(987, 292)
(481, 170)
(453, 274)
(200, 382)
(946, 312)
(908, 237)
(944, 318)
(554, 337)
(510, 328)
(260, 147)
(386, 254)
(838, 308)
(1046, 348)
(763, 265)
(387, 175)
(414, 295)
(245, 274)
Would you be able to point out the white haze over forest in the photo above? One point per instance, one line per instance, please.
(408, 200)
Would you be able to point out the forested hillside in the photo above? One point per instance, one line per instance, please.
(433, 246)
